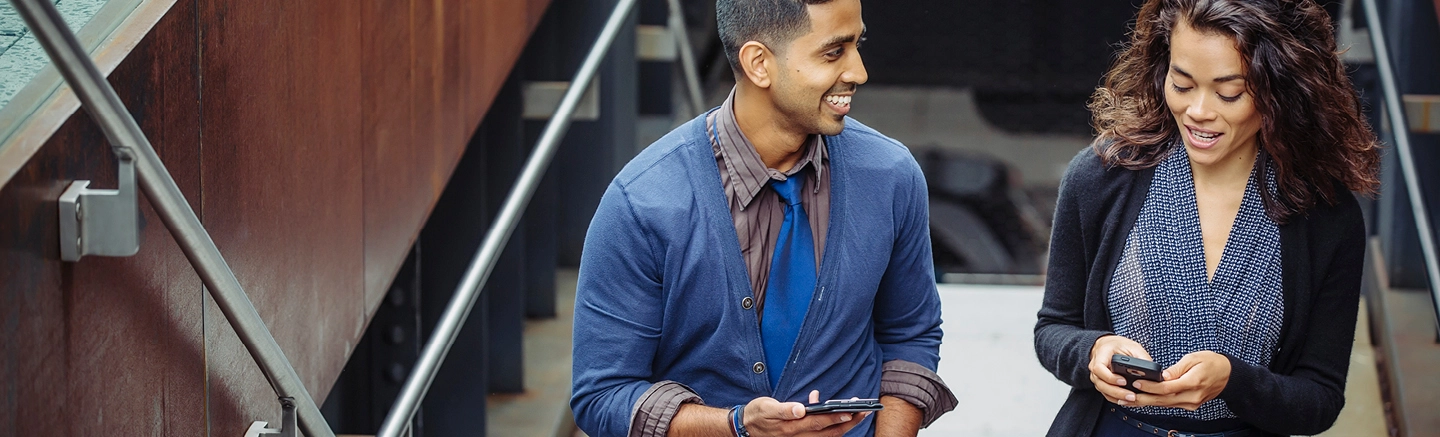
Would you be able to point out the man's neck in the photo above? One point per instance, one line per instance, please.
(779, 144)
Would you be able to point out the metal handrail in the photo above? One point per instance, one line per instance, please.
(129, 142)
(687, 57)
(1396, 112)
(418, 383)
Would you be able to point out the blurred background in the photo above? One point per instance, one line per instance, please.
(355, 162)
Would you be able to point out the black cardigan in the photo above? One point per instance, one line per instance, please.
(1322, 255)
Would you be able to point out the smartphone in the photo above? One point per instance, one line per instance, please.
(1134, 369)
(845, 406)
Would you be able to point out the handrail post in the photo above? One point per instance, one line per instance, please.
(1400, 132)
(458, 309)
(99, 99)
(687, 56)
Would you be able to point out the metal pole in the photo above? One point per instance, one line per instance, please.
(1400, 132)
(100, 100)
(481, 265)
(687, 56)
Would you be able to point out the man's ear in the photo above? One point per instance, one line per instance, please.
(757, 63)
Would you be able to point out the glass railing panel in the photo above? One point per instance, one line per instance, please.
(27, 78)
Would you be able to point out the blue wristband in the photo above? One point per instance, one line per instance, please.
(737, 421)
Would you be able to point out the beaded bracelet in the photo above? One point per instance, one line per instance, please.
(737, 421)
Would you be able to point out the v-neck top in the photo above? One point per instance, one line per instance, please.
(1160, 295)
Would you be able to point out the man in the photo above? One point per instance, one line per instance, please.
(762, 255)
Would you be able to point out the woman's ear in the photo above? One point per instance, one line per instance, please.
(757, 62)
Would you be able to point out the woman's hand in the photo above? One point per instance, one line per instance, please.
(1109, 384)
(1195, 380)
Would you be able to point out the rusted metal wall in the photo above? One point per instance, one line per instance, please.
(313, 138)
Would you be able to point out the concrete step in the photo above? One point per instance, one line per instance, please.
(543, 410)
(1404, 328)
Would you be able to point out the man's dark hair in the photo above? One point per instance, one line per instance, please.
(771, 22)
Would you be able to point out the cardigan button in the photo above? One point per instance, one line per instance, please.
(747, 302)
(759, 367)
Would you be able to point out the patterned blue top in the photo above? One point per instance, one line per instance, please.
(1161, 298)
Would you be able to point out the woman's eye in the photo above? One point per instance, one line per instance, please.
(1180, 89)
(1230, 98)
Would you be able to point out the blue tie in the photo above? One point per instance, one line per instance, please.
(792, 279)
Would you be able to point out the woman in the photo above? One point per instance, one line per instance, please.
(1210, 228)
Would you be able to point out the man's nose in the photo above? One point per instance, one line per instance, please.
(855, 73)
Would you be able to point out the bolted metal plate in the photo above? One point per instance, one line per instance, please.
(100, 222)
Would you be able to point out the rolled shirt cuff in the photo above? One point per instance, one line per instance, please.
(919, 386)
(657, 407)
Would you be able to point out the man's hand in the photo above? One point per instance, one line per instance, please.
(767, 417)
(1196, 379)
(764, 417)
(1109, 384)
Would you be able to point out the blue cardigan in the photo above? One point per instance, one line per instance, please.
(662, 277)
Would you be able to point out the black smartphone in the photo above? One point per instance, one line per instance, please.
(845, 406)
(1134, 369)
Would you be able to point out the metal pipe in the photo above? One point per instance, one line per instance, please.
(104, 106)
(418, 383)
(687, 56)
(1400, 132)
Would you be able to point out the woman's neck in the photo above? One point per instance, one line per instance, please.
(1230, 173)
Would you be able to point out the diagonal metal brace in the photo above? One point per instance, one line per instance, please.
(98, 221)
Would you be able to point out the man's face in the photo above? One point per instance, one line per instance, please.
(820, 70)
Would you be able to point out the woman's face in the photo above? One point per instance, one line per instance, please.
(1206, 92)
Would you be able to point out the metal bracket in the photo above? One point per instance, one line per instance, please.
(101, 222)
(288, 425)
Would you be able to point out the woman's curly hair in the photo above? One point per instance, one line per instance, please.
(1312, 130)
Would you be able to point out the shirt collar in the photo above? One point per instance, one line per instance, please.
(748, 173)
